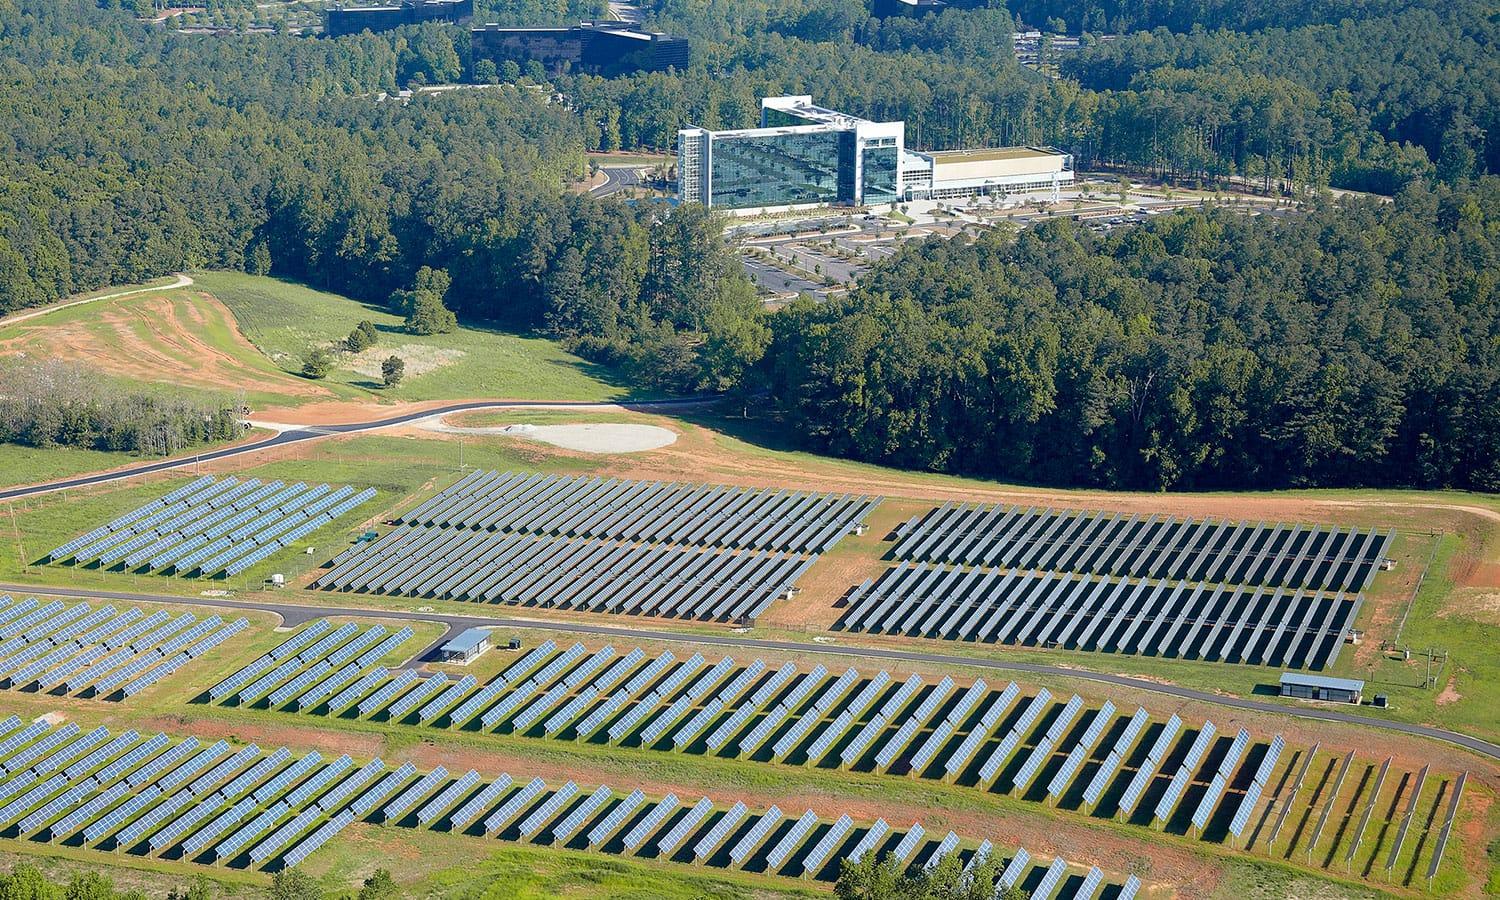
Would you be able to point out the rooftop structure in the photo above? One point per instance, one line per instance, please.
(606, 48)
(339, 21)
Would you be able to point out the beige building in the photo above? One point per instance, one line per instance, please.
(951, 174)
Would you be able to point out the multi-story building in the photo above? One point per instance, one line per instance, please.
(604, 48)
(805, 156)
(342, 20)
(801, 156)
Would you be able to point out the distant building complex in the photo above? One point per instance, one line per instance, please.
(339, 21)
(603, 48)
(881, 9)
(805, 156)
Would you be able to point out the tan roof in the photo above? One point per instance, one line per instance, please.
(992, 154)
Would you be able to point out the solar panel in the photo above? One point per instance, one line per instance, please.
(1247, 807)
(132, 833)
(1015, 868)
(119, 815)
(512, 807)
(254, 774)
(408, 798)
(1143, 775)
(944, 848)
(1081, 750)
(24, 735)
(193, 766)
(532, 824)
(257, 826)
(358, 689)
(616, 818)
(346, 788)
(26, 757)
(391, 688)
(790, 841)
(130, 760)
(447, 698)
(75, 819)
(92, 761)
(471, 810)
(1128, 892)
(871, 839)
(177, 827)
(1052, 879)
(382, 789)
(1189, 765)
(420, 694)
(685, 826)
(284, 834)
(650, 822)
(814, 861)
(223, 822)
(909, 843)
(296, 642)
(320, 780)
(564, 830)
(1111, 765)
(55, 807)
(720, 831)
(72, 751)
(278, 785)
(447, 797)
(317, 839)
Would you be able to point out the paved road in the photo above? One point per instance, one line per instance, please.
(297, 613)
(298, 434)
(617, 179)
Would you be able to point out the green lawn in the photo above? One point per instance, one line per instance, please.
(284, 320)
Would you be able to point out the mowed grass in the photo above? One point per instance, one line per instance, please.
(285, 320)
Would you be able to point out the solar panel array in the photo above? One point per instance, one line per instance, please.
(670, 550)
(100, 652)
(319, 667)
(1198, 550)
(1256, 625)
(971, 735)
(211, 527)
(654, 512)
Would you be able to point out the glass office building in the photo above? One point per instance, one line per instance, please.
(801, 156)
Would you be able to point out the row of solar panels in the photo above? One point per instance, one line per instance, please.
(596, 575)
(1148, 617)
(1291, 556)
(251, 808)
(212, 526)
(75, 648)
(318, 664)
(647, 512)
(780, 716)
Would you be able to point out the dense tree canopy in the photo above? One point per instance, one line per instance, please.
(1357, 345)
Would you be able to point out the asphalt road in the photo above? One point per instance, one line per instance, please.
(297, 613)
(311, 433)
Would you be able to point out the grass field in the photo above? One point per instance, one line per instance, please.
(283, 320)
(243, 336)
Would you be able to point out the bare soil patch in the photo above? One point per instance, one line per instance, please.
(157, 339)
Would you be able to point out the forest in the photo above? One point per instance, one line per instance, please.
(1356, 345)
(1352, 345)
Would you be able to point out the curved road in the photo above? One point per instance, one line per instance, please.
(298, 434)
(297, 613)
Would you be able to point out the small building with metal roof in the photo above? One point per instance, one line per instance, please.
(1302, 686)
(466, 647)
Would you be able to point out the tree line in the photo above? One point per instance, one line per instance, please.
(1357, 345)
(52, 403)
